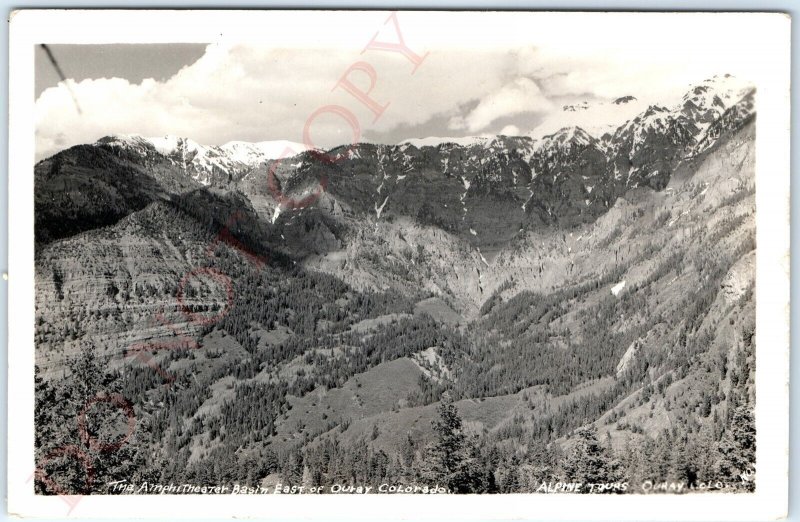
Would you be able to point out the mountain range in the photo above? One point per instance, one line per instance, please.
(599, 276)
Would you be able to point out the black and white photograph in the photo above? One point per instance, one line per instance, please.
(516, 258)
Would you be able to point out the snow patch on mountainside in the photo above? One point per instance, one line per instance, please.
(379, 210)
(276, 214)
(627, 358)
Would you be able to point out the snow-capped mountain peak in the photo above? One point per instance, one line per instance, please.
(596, 118)
(206, 163)
(131, 141)
(729, 89)
(624, 99)
(707, 101)
(170, 144)
(567, 137)
(247, 152)
(733, 117)
(659, 120)
(656, 117)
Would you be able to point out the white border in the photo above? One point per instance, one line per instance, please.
(770, 34)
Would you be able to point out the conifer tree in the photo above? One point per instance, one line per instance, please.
(737, 449)
(588, 461)
(90, 427)
(450, 459)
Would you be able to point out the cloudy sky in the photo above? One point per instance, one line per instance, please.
(475, 83)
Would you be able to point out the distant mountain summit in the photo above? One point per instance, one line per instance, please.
(435, 141)
(624, 99)
(595, 117)
(738, 114)
(582, 106)
(643, 151)
(705, 102)
(207, 165)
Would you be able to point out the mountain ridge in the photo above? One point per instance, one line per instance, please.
(484, 190)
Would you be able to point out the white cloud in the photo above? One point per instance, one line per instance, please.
(477, 78)
(510, 130)
(520, 96)
(256, 94)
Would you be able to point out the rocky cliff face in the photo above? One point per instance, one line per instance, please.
(117, 285)
(645, 150)
(571, 182)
